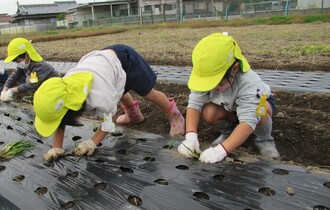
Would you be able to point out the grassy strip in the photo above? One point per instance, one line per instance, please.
(104, 29)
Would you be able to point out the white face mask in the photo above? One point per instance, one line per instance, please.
(23, 65)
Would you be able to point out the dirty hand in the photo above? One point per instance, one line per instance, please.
(189, 145)
(54, 154)
(213, 154)
(86, 147)
(7, 96)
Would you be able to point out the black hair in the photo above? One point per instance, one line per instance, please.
(72, 117)
(22, 56)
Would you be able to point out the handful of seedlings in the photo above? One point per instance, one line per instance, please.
(14, 148)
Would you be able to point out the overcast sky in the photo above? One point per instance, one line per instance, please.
(10, 6)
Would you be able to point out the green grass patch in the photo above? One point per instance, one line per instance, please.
(314, 18)
(278, 20)
(316, 49)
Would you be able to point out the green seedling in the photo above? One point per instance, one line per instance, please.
(14, 148)
(194, 153)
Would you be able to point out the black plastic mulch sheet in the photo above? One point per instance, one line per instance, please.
(139, 170)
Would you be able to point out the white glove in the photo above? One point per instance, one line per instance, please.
(3, 93)
(8, 95)
(213, 154)
(54, 154)
(189, 145)
(86, 147)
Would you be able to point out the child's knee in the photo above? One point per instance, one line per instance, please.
(211, 114)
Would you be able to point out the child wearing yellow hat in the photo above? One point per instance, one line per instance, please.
(31, 70)
(100, 80)
(228, 95)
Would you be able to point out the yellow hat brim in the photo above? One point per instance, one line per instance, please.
(204, 83)
(46, 129)
(10, 58)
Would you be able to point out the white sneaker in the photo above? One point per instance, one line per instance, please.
(268, 149)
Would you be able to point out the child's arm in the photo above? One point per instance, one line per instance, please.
(88, 146)
(237, 138)
(190, 145)
(58, 137)
(192, 119)
(240, 134)
(57, 150)
(99, 136)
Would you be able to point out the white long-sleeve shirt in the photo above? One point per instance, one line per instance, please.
(108, 83)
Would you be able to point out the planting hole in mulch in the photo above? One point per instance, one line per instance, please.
(101, 186)
(220, 177)
(115, 134)
(72, 174)
(2, 168)
(141, 140)
(49, 164)
(30, 156)
(201, 195)
(41, 191)
(267, 191)
(161, 181)
(40, 142)
(19, 178)
(30, 122)
(320, 207)
(98, 160)
(18, 119)
(121, 152)
(149, 159)
(168, 146)
(182, 167)
(75, 138)
(279, 171)
(134, 200)
(6, 114)
(127, 170)
(326, 184)
(9, 127)
(1, 142)
(67, 205)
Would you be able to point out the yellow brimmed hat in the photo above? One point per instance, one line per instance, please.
(19, 46)
(211, 59)
(56, 96)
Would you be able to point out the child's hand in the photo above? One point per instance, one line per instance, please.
(86, 147)
(3, 93)
(54, 154)
(190, 145)
(7, 95)
(213, 154)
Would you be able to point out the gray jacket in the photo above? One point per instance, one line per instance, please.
(241, 97)
(43, 72)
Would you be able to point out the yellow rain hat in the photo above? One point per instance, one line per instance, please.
(56, 96)
(19, 46)
(211, 59)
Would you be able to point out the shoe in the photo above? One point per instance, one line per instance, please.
(267, 149)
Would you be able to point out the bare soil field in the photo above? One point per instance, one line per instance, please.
(302, 122)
